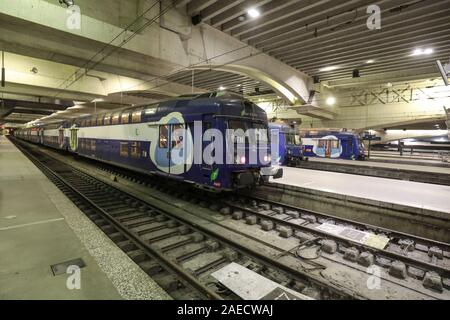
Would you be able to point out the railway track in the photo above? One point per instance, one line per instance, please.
(178, 256)
(409, 262)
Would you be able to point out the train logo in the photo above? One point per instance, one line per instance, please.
(325, 147)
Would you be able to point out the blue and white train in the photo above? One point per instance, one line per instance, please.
(148, 138)
(333, 144)
(290, 151)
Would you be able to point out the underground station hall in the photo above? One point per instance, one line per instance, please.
(248, 151)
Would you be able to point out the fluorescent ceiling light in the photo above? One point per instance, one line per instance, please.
(370, 61)
(331, 68)
(253, 13)
(419, 52)
(221, 88)
(331, 101)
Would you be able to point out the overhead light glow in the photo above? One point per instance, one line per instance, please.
(331, 68)
(331, 101)
(253, 13)
(370, 61)
(221, 88)
(420, 52)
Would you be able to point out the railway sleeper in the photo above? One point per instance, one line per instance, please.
(150, 267)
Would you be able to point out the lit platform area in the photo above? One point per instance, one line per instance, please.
(384, 165)
(41, 228)
(405, 193)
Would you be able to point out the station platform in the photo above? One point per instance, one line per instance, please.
(391, 170)
(406, 193)
(40, 227)
(384, 165)
(414, 159)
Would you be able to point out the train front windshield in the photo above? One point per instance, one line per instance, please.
(293, 139)
(258, 132)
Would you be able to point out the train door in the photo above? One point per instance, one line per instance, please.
(206, 169)
(61, 137)
(328, 148)
(164, 142)
(172, 147)
(177, 149)
(74, 138)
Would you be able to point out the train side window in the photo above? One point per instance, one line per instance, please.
(164, 136)
(335, 144)
(135, 149)
(151, 109)
(321, 143)
(93, 145)
(350, 144)
(125, 118)
(107, 119)
(177, 136)
(136, 117)
(115, 118)
(124, 149)
(88, 122)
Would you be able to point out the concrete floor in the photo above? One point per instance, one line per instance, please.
(40, 227)
(408, 193)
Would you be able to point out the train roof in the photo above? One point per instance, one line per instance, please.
(217, 103)
(281, 126)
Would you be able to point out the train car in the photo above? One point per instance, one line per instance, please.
(171, 138)
(290, 151)
(333, 144)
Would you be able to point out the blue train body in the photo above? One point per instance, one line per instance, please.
(150, 138)
(333, 144)
(290, 150)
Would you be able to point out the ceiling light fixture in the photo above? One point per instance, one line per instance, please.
(253, 13)
(221, 88)
(331, 68)
(420, 52)
(331, 101)
(68, 3)
(370, 61)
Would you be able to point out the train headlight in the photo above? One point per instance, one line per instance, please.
(239, 160)
(267, 158)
